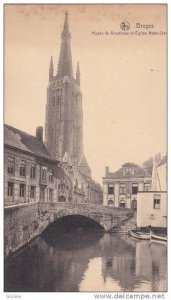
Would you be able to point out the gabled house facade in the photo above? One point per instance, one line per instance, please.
(30, 175)
(120, 188)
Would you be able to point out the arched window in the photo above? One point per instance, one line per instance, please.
(62, 199)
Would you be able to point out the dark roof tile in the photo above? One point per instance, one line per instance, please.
(138, 172)
(24, 141)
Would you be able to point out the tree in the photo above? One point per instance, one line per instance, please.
(148, 165)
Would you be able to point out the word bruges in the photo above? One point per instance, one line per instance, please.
(146, 26)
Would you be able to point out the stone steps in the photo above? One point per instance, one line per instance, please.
(125, 225)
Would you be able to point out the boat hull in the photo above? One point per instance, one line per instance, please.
(159, 238)
(140, 235)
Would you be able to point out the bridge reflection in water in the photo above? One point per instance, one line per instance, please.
(87, 261)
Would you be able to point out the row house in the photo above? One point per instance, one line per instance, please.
(120, 188)
(29, 172)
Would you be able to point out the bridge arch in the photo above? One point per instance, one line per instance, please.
(32, 219)
(104, 216)
(73, 222)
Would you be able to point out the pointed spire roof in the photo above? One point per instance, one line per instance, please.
(51, 69)
(83, 162)
(65, 58)
(51, 62)
(78, 73)
(67, 159)
(78, 68)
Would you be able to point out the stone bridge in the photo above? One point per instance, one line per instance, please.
(26, 221)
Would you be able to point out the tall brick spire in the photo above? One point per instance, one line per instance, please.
(65, 58)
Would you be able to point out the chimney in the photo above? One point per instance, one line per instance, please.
(106, 171)
(39, 133)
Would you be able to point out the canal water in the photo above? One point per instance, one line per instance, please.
(87, 261)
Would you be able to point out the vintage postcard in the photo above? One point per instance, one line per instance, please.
(85, 148)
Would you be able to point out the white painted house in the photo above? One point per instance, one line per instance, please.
(152, 205)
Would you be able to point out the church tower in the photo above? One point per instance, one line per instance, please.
(64, 115)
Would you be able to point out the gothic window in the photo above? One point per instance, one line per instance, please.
(22, 190)
(11, 165)
(62, 199)
(58, 96)
(10, 189)
(33, 171)
(156, 202)
(54, 101)
(23, 168)
(32, 192)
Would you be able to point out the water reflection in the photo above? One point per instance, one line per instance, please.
(87, 262)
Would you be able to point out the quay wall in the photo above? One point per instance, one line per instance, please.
(21, 225)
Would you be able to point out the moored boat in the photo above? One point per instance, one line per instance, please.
(140, 235)
(158, 237)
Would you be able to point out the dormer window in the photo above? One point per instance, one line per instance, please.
(128, 171)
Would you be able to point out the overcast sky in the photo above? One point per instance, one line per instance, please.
(123, 78)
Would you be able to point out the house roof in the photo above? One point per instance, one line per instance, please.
(129, 164)
(24, 141)
(138, 172)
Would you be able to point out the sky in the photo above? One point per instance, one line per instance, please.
(123, 77)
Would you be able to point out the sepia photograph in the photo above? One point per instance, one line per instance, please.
(85, 148)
